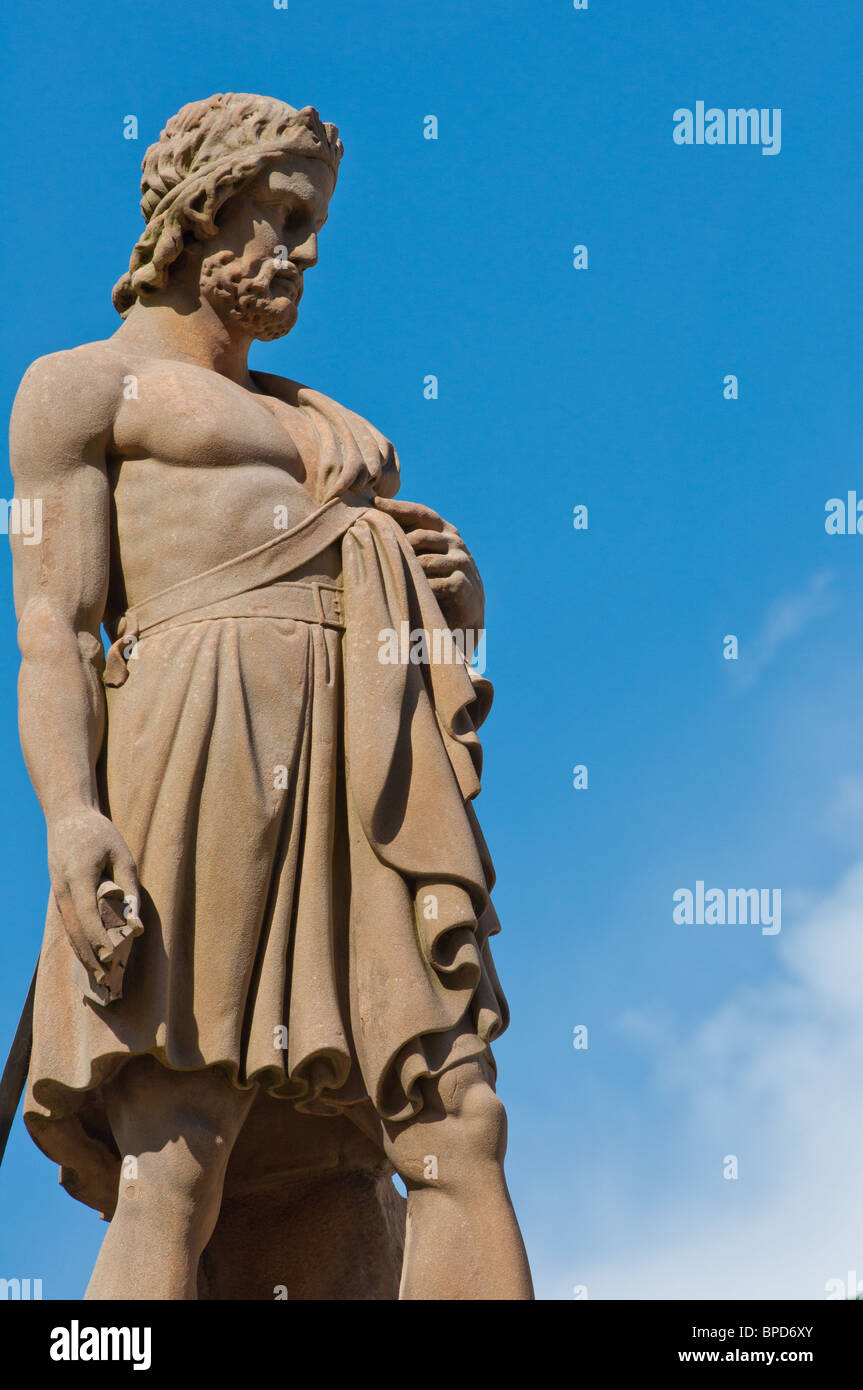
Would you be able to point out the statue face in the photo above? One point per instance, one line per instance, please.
(252, 272)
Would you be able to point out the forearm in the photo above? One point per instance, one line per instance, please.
(61, 707)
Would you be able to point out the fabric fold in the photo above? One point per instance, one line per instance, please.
(316, 887)
(413, 761)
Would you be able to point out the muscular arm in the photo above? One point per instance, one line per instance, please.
(61, 423)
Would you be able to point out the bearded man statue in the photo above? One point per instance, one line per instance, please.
(295, 998)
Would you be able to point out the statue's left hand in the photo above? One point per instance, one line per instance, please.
(446, 560)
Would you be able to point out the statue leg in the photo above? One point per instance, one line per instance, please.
(175, 1131)
(463, 1241)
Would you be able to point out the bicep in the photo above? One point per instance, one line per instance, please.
(58, 454)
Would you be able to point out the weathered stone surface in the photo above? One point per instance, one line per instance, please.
(284, 806)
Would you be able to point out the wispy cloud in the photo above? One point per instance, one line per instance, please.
(784, 620)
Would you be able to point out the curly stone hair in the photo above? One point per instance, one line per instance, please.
(207, 153)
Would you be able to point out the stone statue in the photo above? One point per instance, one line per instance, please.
(265, 983)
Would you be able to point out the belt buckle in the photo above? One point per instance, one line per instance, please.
(319, 602)
(335, 599)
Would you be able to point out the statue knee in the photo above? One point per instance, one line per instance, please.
(183, 1177)
(175, 1133)
(476, 1115)
(469, 1137)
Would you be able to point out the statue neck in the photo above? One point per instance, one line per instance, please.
(167, 330)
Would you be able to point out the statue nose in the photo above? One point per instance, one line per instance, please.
(307, 254)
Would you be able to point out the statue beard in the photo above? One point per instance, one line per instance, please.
(241, 292)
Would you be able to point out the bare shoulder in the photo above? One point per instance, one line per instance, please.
(90, 368)
(65, 406)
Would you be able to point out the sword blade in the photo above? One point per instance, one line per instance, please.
(15, 1072)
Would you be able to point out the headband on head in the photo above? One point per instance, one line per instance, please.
(307, 135)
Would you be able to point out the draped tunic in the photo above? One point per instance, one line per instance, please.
(315, 884)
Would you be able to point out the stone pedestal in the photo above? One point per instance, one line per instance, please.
(309, 1208)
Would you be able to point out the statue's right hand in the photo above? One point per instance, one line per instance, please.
(83, 848)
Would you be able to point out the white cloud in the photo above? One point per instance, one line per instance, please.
(774, 1076)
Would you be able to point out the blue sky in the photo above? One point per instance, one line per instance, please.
(706, 517)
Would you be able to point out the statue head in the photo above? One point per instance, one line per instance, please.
(238, 185)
